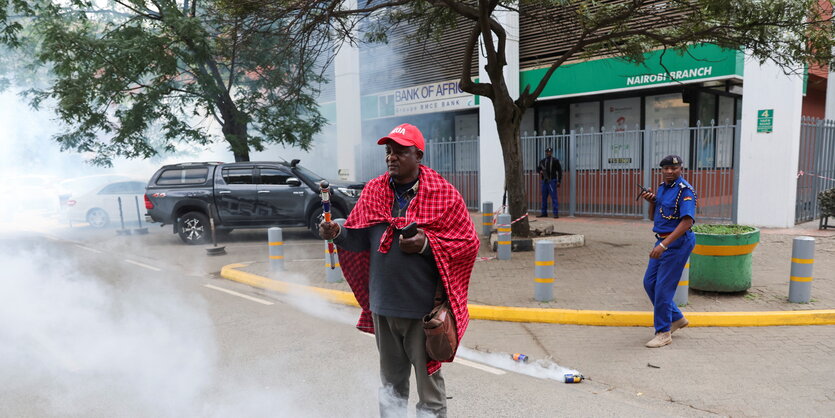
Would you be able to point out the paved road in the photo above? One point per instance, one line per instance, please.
(92, 324)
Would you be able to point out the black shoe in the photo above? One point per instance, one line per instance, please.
(543, 215)
(556, 216)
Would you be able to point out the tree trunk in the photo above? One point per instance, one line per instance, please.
(235, 133)
(508, 121)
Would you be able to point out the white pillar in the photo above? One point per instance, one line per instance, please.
(768, 161)
(830, 96)
(348, 109)
(491, 161)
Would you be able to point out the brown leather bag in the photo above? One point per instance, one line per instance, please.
(439, 326)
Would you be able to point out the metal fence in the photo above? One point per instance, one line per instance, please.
(601, 174)
(456, 159)
(816, 166)
(601, 170)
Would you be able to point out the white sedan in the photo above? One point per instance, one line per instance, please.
(99, 207)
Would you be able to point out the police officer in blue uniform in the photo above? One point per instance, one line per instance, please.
(673, 211)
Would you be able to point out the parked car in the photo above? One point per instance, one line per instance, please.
(29, 195)
(80, 185)
(99, 206)
(241, 195)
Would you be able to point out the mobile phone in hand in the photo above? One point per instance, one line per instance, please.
(409, 231)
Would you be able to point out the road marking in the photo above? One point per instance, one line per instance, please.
(285, 245)
(142, 265)
(232, 292)
(464, 362)
(479, 366)
(92, 250)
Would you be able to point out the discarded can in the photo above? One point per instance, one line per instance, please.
(520, 357)
(573, 378)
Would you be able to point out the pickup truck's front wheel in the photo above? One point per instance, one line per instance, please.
(317, 217)
(193, 228)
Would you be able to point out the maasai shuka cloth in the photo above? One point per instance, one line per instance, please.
(440, 211)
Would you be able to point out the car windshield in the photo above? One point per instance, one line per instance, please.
(309, 175)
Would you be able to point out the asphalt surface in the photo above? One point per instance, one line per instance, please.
(95, 324)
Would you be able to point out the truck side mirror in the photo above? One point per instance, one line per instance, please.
(292, 181)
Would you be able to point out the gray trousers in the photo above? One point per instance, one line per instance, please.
(402, 346)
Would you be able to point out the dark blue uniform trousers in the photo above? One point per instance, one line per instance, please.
(661, 280)
(549, 187)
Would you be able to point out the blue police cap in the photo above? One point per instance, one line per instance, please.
(671, 160)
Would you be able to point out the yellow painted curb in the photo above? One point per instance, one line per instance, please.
(562, 316)
(230, 272)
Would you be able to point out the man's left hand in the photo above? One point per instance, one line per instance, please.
(414, 244)
(656, 252)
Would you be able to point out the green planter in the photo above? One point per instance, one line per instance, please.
(722, 262)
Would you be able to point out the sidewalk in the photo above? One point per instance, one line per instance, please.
(606, 273)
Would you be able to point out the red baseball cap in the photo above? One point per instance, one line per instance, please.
(406, 135)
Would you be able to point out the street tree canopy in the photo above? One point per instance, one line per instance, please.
(792, 33)
(134, 78)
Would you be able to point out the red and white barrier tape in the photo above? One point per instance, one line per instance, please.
(497, 213)
(802, 173)
(519, 219)
(485, 258)
(501, 211)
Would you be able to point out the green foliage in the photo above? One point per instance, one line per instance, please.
(826, 200)
(722, 229)
(789, 32)
(10, 24)
(135, 80)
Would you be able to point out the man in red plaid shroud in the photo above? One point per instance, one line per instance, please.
(395, 279)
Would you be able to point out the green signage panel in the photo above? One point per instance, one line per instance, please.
(765, 120)
(704, 61)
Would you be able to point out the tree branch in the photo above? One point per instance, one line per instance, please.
(467, 83)
(148, 14)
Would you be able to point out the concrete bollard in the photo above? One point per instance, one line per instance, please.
(803, 259)
(680, 298)
(276, 243)
(544, 271)
(487, 218)
(332, 275)
(503, 238)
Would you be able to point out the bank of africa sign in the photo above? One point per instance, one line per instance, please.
(426, 98)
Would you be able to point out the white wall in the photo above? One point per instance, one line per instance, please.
(491, 165)
(348, 106)
(768, 161)
(830, 97)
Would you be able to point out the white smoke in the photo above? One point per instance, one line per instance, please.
(542, 368)
(81, 344)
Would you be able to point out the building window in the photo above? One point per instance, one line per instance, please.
(551, 119)
(705, 136)
(725, 132)
(585, 117)
(669, 118)
(622, 139)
